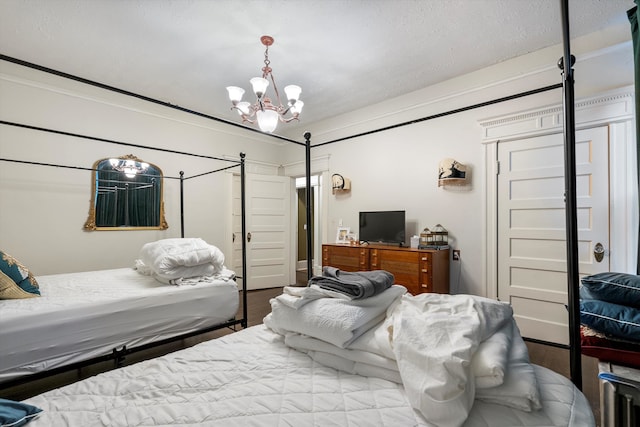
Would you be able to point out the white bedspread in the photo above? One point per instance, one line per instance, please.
(251, 378)
(87, 314)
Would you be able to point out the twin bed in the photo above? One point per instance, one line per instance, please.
(83, 316)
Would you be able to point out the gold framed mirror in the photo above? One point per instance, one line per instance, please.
(126, 194)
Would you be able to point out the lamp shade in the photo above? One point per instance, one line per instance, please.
(259, 86)
(293, 93)
(297, 107)
(267, 120)
(235, 93)
(244, 108)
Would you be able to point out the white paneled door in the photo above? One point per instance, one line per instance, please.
(268, 231)
(531, 226)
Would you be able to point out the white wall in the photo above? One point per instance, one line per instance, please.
(43, 209)
(397, 169)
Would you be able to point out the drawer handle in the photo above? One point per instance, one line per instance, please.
(424, 258)
(425, 286)
(424, 270)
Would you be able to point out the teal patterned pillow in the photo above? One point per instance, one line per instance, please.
(16, 281)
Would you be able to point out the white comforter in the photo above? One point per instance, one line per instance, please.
(251, 378)
(180, 258)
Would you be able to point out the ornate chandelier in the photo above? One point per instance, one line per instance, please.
(264, 111)
(129, 165)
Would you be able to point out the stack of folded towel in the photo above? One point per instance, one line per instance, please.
(357, 285)
(447, 350)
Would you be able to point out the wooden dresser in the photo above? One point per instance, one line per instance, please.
(419, 270)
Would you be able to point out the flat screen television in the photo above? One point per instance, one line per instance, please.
(386, 227)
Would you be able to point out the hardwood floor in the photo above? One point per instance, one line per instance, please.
(554, 358)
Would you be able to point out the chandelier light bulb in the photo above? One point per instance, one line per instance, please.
(259, 86)
(244, 108)
(267, 120)
(293, 93)
(296, 108)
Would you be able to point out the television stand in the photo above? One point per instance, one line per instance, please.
(419, 270)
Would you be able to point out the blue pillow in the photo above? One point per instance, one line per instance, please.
(15, 414)
(16, 281)
(618, 288)
(615, 320)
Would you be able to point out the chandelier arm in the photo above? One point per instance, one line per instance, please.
(246, 117)
(290, 119)
(275, 89)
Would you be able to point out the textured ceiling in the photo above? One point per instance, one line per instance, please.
(345, 54)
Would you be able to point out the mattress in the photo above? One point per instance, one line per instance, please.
(84, 315)
(252, 378)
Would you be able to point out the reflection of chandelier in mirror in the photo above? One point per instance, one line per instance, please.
(129, 167)
(266, 113)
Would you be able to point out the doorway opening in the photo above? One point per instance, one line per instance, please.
(301, 228)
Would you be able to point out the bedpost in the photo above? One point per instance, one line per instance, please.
(566, 65)
(244, 246)
(307, 137)
(182, 204)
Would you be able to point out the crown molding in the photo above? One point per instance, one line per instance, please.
(613, 106)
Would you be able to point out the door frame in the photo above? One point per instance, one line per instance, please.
(319, 166)
(615, 109)
(251, 167)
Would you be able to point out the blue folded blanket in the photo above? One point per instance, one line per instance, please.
(357, 285)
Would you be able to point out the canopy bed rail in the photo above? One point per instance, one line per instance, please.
(117, 354)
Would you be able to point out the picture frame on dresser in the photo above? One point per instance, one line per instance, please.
(342, 235)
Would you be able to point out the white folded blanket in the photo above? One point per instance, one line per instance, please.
(181, 258)
(428, 343)
(334, 320)
(434, 339)
(297, 296)
(489, 363)
(517, 387)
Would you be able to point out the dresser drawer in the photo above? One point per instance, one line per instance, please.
(426, 272)
(416, 269)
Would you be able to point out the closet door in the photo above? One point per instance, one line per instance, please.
(531, 226)
(268, 230)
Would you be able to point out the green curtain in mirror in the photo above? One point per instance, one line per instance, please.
(126, 194)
